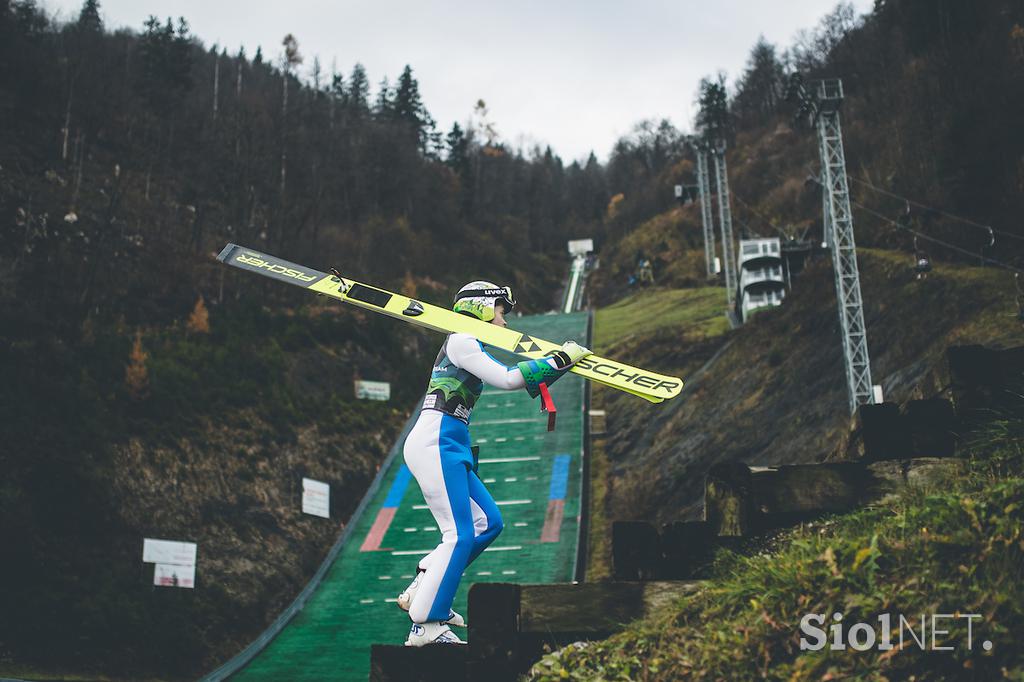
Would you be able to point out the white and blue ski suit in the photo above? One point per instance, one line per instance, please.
(437, 452)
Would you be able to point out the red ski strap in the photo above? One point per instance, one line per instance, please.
(547, 405)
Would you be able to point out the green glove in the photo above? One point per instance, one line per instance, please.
(536, 372)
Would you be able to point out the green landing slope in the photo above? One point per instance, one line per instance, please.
(535, 477)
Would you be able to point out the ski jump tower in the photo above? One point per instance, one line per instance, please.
(821, 109)
(704, 187)
(579, 250)
(725, 220)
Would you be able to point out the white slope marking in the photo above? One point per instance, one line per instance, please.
(429, 529)
(489, 422)
(405, 577)
(410, 530)
(500, 440)
(383, 577)
(499, 460)
(531, 478)
(481, 440)
(509, 548)
(484, 573)
(507, 502)
(490, 480)
(520, 524)
(520, 438)
(410, 552)
(508, 572)
(391, 600)
(365, 601)
(511, 479)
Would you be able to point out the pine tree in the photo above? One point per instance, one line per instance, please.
(136, 376)
(166, 63)
(407, 106)
(713, 116)
(89, 18)
(383, 108)
(458, 149)
(759, 90)
(359, 90)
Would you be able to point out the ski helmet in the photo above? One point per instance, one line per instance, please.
(477, 299)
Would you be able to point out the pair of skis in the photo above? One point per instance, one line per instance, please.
(642, 383)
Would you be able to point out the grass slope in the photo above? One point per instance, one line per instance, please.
(689, 312)
(672, 330)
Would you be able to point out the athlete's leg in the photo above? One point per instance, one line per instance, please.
(422, 453)
(486, 517)
(450, 506)
(441, 465)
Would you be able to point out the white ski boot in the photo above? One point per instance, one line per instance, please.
(422, 634)
(404, 602)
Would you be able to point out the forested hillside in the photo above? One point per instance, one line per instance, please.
(933, 90)
(151, 392)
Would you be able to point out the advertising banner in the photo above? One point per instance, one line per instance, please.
(171, 575)
(316, 498)
(373, 390)
(169, 552)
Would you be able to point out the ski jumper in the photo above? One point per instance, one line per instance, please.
(437, 452)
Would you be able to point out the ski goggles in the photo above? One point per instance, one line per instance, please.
(503, 294)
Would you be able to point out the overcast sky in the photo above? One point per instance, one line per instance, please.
(576, 75)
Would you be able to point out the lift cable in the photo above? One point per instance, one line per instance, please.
(902, 228)
(968, 221)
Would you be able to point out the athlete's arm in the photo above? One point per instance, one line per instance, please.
(467, 353)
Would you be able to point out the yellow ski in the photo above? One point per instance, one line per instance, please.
(642, 383)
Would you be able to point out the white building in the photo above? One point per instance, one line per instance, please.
(762, 281)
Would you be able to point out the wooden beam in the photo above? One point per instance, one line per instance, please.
(636, 550)
(880, 433)
(511, 626)
(841, 486)
(983, 379)
(932, 427)
(397, 663)
(594, 608)
(819, 488)
(687, 546)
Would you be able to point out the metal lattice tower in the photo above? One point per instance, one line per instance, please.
(704, 185)
(823, 110)
(725, 219)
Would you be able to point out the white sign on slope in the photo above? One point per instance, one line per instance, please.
(316, 498)
(580, 247)
(169, 552)
(171, 575)
(373, 390)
